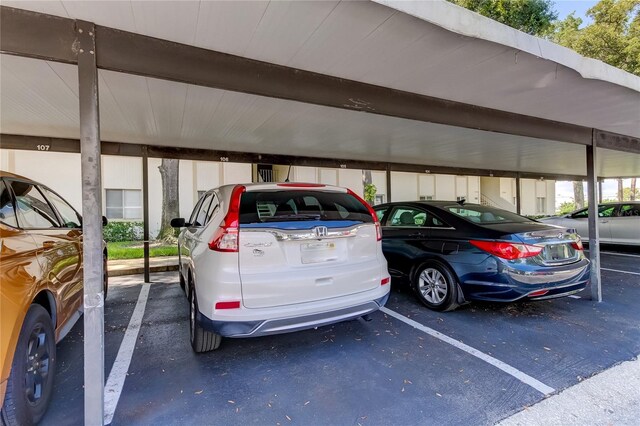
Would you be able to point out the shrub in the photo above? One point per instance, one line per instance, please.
(123, 231)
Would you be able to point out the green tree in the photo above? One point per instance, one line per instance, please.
(567, 207)
(612, 37)
(531, 16)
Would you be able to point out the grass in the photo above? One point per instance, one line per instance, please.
(135, 250)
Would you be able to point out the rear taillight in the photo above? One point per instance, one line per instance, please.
(577, 245)
(385, 281)
(225, 239)
(373, 213)
(509, 251)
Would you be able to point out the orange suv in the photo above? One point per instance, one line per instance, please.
(40, 292)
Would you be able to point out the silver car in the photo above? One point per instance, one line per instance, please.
(619, 223)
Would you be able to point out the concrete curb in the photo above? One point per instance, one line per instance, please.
(140, 270)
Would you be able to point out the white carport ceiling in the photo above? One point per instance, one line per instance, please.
(40, 98)
(357, 40)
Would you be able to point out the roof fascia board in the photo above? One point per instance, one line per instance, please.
(43, 143)
(470, 24)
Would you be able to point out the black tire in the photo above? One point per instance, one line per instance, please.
(436, 286)
(30, 383)
(183, 284)
(201, 340)
(105, 277)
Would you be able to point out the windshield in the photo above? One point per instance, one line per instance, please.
(301, 205)
(485, 214)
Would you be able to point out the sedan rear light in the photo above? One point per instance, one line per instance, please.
(509, 251)
(225, 239)
(385, 281)
(577, 245)
(373, 213)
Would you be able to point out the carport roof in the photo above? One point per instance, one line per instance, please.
(434, 49)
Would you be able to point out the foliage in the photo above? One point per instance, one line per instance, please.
(531, 16)
(123, 231)
(626, 194)
(566, 207)
(370, 191)
(613, 36)
(135, 250)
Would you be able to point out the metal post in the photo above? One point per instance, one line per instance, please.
(388, 183)
(518, 196)
(600, 191)
(145, 202)
(91, 225)
(594, 236)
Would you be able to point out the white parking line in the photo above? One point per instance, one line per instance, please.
(523, 377)
(622, 272)
(617, 254)
(118, 373)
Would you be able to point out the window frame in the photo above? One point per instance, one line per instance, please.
(123, 208)
(60, 218)
(37, 186)
(13, 205)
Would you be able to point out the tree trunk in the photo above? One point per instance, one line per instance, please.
(620, 190)
(633, 189)
(170, 200)
(578, 194)
(366, 177)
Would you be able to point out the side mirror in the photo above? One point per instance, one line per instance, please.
(178, 222)
(105, 221)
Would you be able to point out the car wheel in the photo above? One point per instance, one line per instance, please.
(105, 277)
(183, 284)
(30, 383)
(436, 287)
(201, 340)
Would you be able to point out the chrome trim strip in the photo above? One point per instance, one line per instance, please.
(307, 234)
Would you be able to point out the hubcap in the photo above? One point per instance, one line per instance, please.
(433, 285)
(38, 359)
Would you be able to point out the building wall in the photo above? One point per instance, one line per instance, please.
(61, 171)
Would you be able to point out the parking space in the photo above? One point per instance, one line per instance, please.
(380, 372)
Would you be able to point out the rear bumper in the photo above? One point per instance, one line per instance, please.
(289, 324)
(511, 283)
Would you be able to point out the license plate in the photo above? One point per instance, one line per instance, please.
(555, 252)
(318, 252)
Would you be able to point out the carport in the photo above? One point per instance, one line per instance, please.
(423, 87)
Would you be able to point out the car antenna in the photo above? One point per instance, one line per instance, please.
(288, 171)
(461, 201)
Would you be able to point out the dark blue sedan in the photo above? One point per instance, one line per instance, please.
(453, 252)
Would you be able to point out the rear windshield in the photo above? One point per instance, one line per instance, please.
(485, 214)
(266, 207)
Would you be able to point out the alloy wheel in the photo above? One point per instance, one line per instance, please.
(433, 286)
(38, 362)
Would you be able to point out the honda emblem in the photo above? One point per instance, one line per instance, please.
(321, 231)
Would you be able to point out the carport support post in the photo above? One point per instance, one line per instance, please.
(388, 171)
(145, 202)
(91, 224)
(518, 200)
(594, 236)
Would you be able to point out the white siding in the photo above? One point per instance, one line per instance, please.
(404, 186)
(445, 187)
(351, 179)
(328, 176)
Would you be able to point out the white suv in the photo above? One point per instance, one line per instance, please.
(262, 259)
